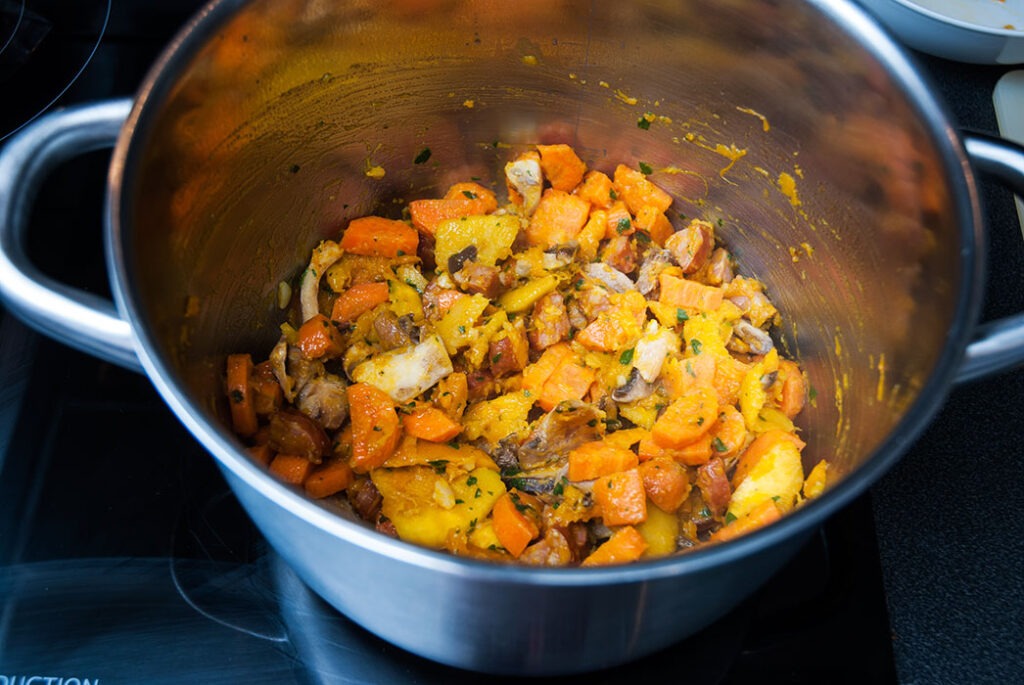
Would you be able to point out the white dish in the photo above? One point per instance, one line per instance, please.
(1008, 100)
(975, 31)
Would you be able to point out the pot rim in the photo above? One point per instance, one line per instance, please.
(216, 438)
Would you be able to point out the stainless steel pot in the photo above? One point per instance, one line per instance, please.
(835, 175)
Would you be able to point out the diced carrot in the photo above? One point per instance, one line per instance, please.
(687, 294)
(618, 221)
(637, 191)
(762, 445)
(569, 381)
(537, 374)
(597, 458)
(597, 189)
(514, 516)
(562, 168)
(485, 200)
(430, 423)
(590, 237)
(376, 236)
(621, 497)
(625, 545)
(763, 514)
(426, 215)
(319, 338)
(666, 483)
(729, 433)
(376, 428)
(291, 468)
(654, 223)
(329, 479)
(687, 419)
(240, 394)
(694, 454)
(357, 300)
(262, 454)
(728, 377)
(559, 218)
(794, 389)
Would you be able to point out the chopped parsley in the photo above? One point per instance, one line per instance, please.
(627, 356)
(646, 169)
(644, 123)
(695, 345)
(439, 465)
(422, 157)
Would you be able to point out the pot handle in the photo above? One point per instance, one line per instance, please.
(74, 317)
(998, 345)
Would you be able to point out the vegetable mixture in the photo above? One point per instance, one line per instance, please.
(569, 378)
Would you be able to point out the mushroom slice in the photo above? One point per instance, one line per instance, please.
(325, 400)
(654, 262)
(524, 177)
(635, 388)
(408, 372)
(746, 337)
(608, 276)
(324, 255)
(570, 424)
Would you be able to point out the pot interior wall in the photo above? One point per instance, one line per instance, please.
(764, 118)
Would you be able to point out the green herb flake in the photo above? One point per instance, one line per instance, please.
(643, 123)
(718, 445)
(627, 356)
(470, 194)
(612, 195)
(704, 512)
(559, 488)
(646, 169)
(695, 345)
(439, 465)
(729, 517)
(459, 501)
(237, 396)
(462, 329)
(453, 444)
(471, 480)
(578, 284)
(622, 225)
(682, 316)
(478, 493)
(423, 156)
(496, 358)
